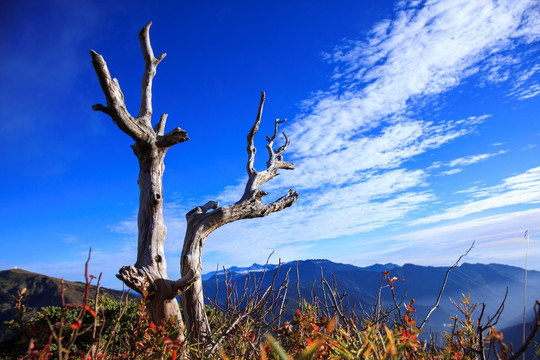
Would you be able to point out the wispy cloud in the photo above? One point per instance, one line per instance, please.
(527, 84)
(496, 237)
(519, 189)
(472, 159)
(463, 161)
(451, 172)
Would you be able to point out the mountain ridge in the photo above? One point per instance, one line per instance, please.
(485, 283)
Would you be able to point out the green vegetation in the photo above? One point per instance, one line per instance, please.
(44, 290)
(249, 328)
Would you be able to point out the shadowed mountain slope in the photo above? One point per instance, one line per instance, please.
(41, 291)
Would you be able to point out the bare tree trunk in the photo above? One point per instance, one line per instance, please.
(149, 274)
(203, 220)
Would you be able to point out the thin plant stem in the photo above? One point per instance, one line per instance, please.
(525, 294)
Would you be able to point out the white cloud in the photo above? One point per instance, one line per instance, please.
(519, 189)
(472, 159)
(451, 172)
(528, 93)
(496, 237)
(352, 143)
(387, 150)
(463, 161)
(69, 238)
(364, 124)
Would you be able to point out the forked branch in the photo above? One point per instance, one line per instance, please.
(274, 163)
(250, 204)
(140, 127)
(116, 106)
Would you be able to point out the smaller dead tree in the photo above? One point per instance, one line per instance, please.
(203, 220)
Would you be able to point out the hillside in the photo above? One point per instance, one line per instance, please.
(41, 291)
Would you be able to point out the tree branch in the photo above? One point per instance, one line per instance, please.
(159, 128)
(250, 204)
(444, 285)
(116, 106)
(281, 203)
(275, 158)
(135, 278)
(275, 161)
(250, 138)
(145, 112)
(100, 107)
(173, 137)
(186, 281)
(211, 205)
(139, 128)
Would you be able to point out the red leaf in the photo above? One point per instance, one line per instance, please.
(76, 324)
(91, 311)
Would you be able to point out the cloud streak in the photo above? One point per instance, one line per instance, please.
(519, 189)
(463, 161)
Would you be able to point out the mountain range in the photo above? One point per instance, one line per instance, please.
(483, 283)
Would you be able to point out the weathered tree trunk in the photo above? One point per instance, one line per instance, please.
(149, 274)
(203, 220)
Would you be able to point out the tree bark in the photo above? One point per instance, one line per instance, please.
(149, 274)
(203, 220)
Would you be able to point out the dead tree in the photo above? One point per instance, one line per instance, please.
(149, 274)
(203, 220)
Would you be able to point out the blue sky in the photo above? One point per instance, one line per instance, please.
(413, 124)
